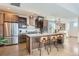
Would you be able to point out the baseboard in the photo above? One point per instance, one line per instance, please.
(11, 44)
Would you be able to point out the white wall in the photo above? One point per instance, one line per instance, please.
(70, 28)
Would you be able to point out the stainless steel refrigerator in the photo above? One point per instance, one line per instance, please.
(11, 32)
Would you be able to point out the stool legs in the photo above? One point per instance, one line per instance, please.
(39, 48)
(55, 44)
(46, 48)
(50, 46)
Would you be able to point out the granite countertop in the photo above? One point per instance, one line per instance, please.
(43, 34)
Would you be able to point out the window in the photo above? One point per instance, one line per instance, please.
(75, 24)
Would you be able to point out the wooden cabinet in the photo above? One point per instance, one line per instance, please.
(10, 17)
(45, 25)
(1, 30)
(1, 24)
(5, 16)
(22, 38)
(1, 18)
(39, 22)
(14, 18)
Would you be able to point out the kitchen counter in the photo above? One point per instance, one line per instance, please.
(43, 34)
(32, 38)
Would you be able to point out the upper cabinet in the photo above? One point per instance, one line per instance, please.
(45, 25)
(1, 24)
(1, 18)
(10, 17)
(39, 22)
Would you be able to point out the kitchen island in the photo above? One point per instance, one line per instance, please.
(33, 38)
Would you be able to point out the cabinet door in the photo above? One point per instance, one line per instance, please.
(45, 25)
(1, 24)
(1, 30)
(1, 18)
(14, 18)
(10, 17)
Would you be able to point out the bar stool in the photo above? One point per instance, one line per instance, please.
(44, 41)
(53, 40)
(60, 40)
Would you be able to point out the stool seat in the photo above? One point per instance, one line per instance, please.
(53, 38)
(43, 39)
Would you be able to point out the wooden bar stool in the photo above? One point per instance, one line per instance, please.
(53, 40)
(60, 40)
(44, 41)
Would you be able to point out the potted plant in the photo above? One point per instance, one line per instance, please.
(3, 41)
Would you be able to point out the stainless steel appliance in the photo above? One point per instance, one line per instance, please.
(11, 32)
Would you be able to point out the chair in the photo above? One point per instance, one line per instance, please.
(44, 41)
(53, 40)
(60, 40)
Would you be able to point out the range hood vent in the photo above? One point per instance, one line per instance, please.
(15, 4)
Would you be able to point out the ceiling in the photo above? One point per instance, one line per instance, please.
(16, 10)
(46, 9)
(50, 9)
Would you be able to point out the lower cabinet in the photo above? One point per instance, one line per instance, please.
(22, 38)
(1, 30)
